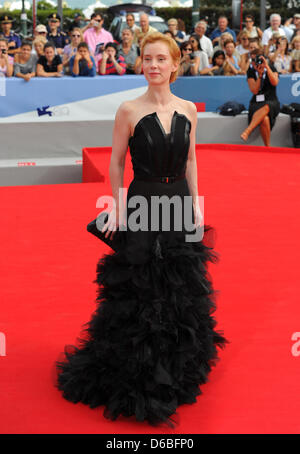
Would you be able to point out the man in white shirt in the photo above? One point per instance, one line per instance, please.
(275, 22)
(206, 44)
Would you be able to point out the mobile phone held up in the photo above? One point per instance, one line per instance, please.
(99, 48)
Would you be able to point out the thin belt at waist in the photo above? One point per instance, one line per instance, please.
(167, 179)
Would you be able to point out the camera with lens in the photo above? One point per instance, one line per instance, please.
(258, 60)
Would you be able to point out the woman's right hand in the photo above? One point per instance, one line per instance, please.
(115, 218)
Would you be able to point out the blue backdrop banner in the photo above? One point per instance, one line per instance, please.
(101, 95)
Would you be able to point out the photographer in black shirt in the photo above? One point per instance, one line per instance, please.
(264, 105)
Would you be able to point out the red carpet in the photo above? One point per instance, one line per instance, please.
(48, 263)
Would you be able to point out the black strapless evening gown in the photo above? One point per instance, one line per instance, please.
(151, 341)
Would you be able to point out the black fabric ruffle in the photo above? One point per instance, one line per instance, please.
(152, 340)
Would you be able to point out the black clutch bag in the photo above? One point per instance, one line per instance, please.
(96, 226)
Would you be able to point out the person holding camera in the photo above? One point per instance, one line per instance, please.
(6, 62)
(82, 63)
(186, 67)
(96, 36)
(264, 105)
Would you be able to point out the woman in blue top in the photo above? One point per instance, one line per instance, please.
(83, 63)
(231, 66)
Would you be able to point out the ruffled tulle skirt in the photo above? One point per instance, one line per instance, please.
(152, 340)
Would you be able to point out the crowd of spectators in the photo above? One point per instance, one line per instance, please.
(88, 49)
(225, 53)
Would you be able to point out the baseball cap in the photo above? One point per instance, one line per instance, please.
(41, 28)
(297, 16)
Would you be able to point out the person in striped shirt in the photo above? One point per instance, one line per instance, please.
(111, 62)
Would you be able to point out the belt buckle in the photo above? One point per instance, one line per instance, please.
(168, 179)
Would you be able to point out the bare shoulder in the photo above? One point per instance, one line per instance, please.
(124, 110)
(189, 109)
(127, 111)
(192, 108)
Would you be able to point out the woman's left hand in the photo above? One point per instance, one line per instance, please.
(197, 215)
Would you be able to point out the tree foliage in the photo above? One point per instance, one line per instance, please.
(210, 10)
(252, 4)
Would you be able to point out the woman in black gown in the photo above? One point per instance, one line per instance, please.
(152, 340)
(264, 105)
